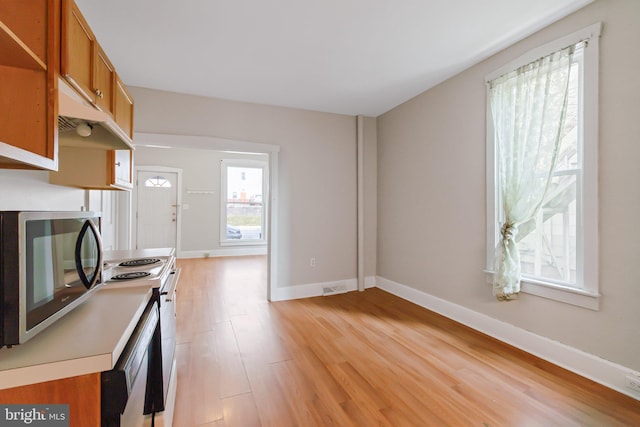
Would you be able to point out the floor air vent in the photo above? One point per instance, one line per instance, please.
(332, 290)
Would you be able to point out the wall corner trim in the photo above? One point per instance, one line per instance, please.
(584, 364)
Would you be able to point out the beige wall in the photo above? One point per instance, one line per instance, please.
(431, 194)
(317, 174)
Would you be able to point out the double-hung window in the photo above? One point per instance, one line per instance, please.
(243, 202)
(542, 179)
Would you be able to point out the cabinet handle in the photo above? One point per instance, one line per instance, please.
(99, 93)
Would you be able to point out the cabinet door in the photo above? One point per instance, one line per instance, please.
(94, 168)
(123, 108)
(103, 80)
(122, 164)
(81, 393)
(78, 44)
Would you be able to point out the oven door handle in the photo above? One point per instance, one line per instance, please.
(169, 294)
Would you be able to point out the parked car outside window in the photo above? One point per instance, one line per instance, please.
(233, 232)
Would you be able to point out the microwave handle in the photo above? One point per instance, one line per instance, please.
(79, 267)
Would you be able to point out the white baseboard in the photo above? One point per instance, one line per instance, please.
(231, 251)
(370, 282)
(587, 365)
(312, 289)
(317, 289)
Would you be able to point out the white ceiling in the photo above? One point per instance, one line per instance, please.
(341, 56)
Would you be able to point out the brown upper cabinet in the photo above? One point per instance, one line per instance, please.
(104, 76)
(94, 168)
(78, 50)
(28, 83)
(52, 65)
(88, 70)
(123, 107)
(84, 64)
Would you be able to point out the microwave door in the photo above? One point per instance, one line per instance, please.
(88, 240)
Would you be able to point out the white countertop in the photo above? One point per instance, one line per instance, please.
(138, 253)
(88, 339)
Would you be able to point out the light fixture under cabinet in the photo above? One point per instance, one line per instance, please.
(84, 129)
(83, 125)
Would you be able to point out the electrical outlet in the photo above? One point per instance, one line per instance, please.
(312, 262)
(633, 382)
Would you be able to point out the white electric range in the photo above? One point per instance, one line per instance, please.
(156, 269)
(145, 267)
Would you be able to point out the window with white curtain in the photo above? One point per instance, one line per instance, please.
(542, 179)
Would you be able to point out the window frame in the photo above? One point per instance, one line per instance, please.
(586, 293)
(240, 163)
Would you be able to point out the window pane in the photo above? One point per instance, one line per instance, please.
(548, 243)
(157, 182)
(244, 203)
(568, 155)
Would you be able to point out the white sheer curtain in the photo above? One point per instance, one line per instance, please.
(528, 107)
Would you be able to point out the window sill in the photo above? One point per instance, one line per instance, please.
(555, 292)
(243, 243)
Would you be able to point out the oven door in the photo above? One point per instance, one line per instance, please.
(128, 388)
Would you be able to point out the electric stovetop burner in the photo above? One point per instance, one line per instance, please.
(130, 276)
(138, 262)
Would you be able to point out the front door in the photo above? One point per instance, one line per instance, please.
(157, 209)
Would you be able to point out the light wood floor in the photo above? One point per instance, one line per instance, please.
(357, 360)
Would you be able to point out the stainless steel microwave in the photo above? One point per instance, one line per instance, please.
(50, 262)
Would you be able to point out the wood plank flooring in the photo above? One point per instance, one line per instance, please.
(357, 360)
